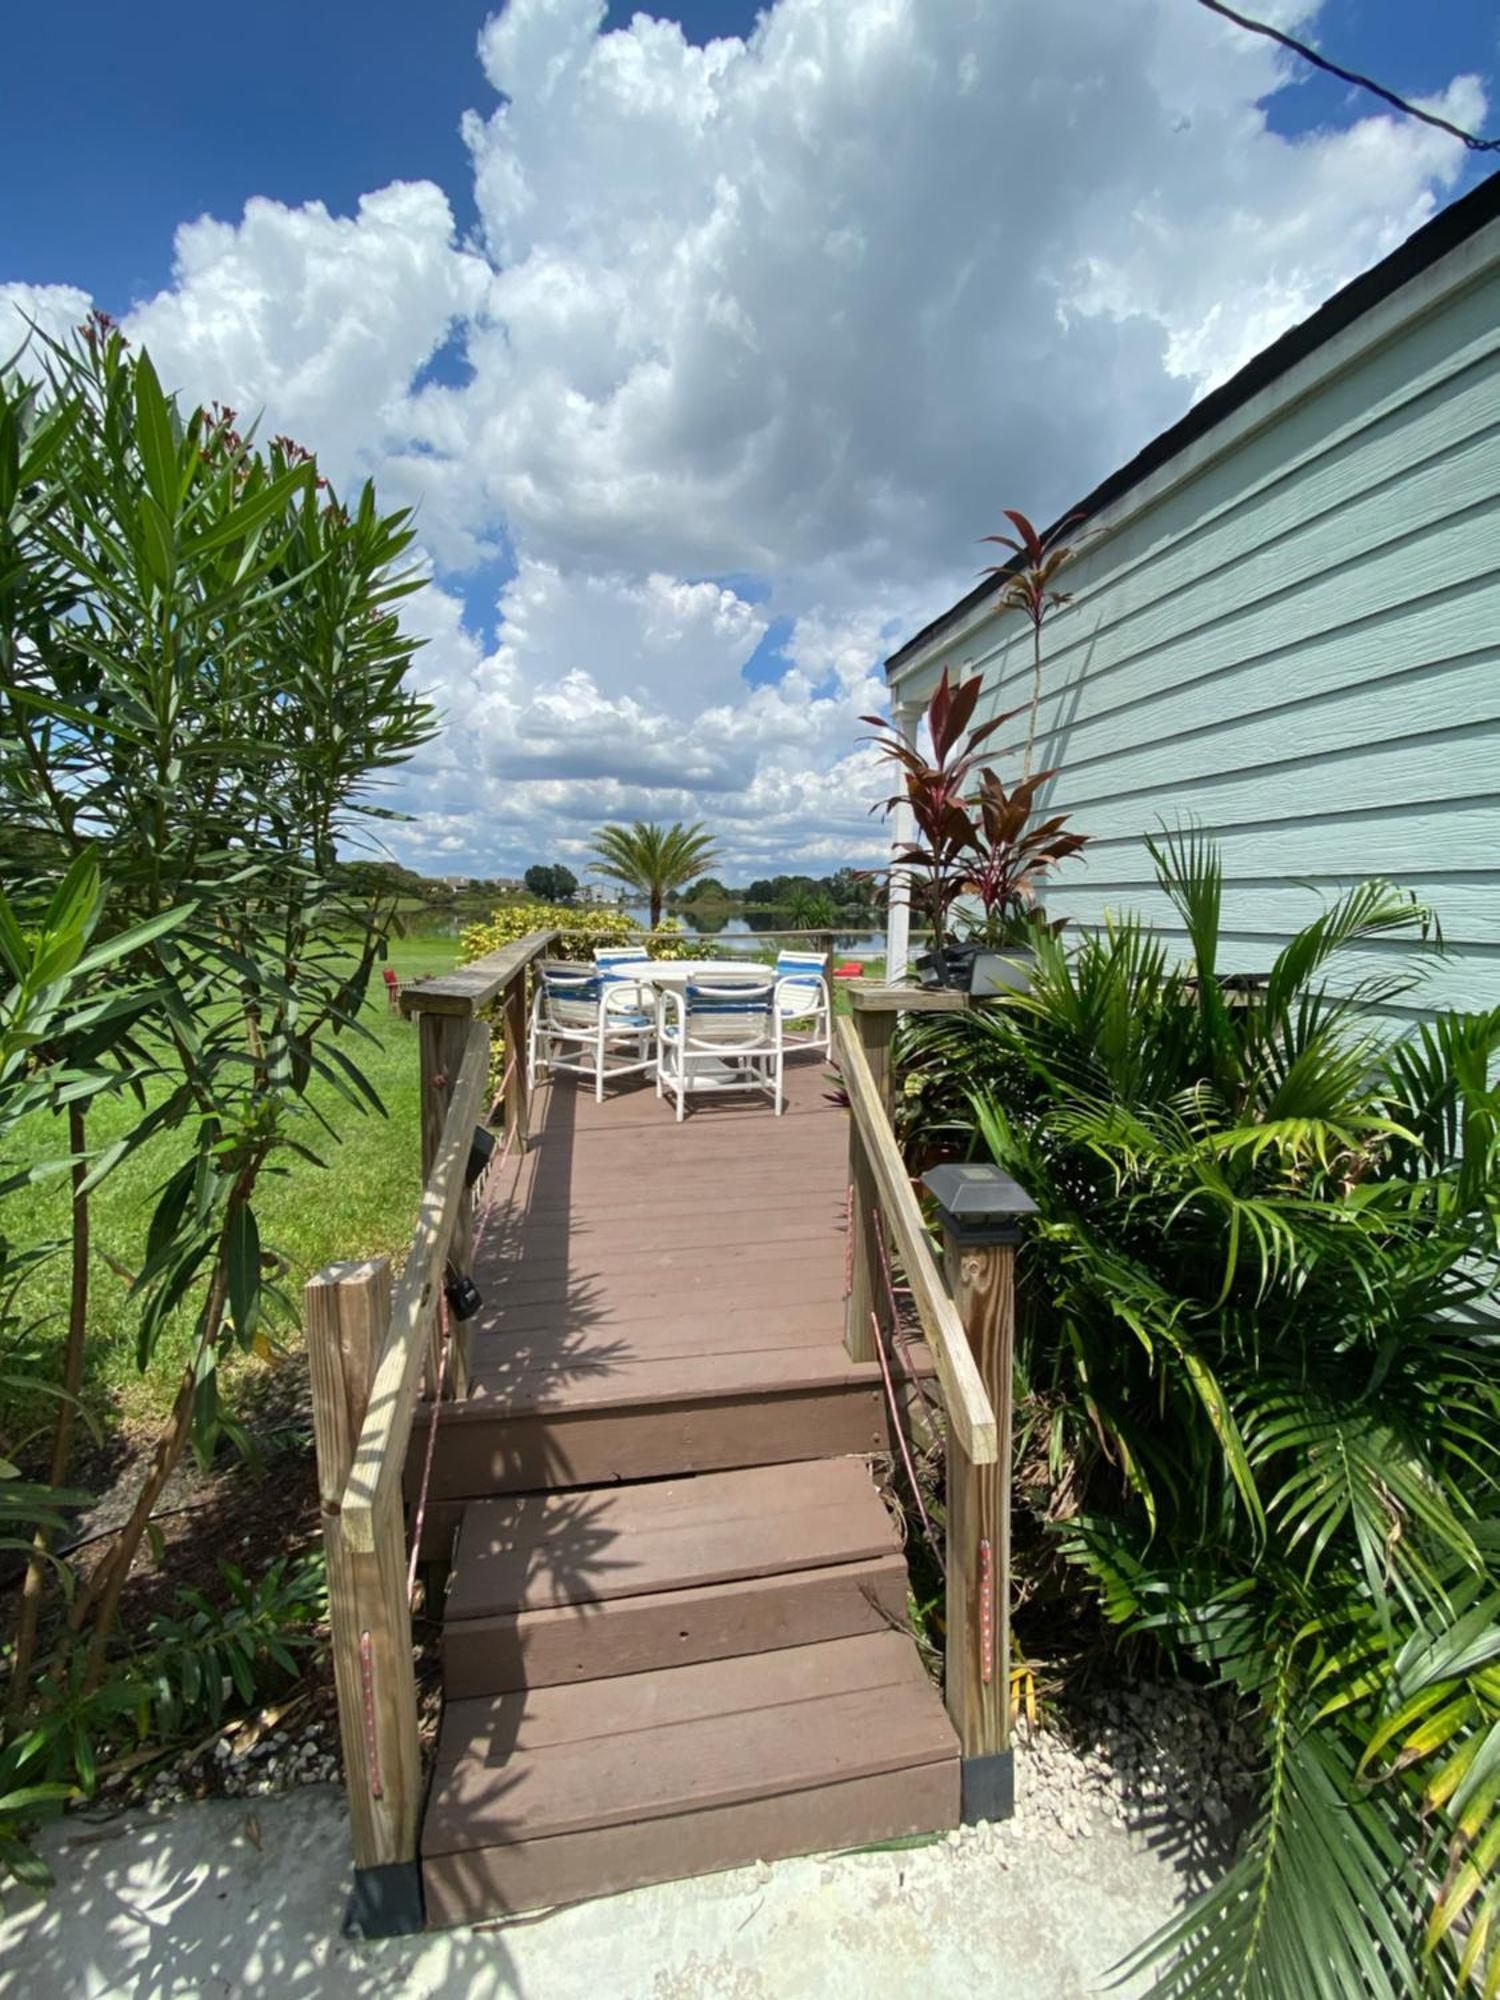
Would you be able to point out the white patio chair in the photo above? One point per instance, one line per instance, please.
(615, 962)
(802, 999)
(609, 1025)
(722, 1034)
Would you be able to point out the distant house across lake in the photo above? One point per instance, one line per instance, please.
(1285, 624)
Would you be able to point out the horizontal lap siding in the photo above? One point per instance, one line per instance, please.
(1297, 649)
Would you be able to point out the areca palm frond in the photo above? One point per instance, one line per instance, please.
(653, 859)
(1258, 1308)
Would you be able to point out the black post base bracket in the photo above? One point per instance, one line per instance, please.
(988, 1787)
(386, 1902)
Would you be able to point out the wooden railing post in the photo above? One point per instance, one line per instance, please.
(518, 1088)
(980, 1210)
(348, 1312)
(441, 1040)
(875, 1030)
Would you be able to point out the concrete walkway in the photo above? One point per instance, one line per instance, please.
(231, 1898)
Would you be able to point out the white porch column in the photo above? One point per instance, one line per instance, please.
(905, 716)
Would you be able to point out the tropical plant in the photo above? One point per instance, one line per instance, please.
(196, 1661)
(812, 910)
(673, 940)
(653, 859)
(1012, 857)
(974, 837)
(1028, 586)
(935, 788)
(205, 694)
(1255, 1318)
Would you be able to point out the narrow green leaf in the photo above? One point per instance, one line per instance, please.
(243, 1252)
(154, 437)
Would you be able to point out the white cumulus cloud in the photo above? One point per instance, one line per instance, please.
(768, 331)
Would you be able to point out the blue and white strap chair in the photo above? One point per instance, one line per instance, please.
(722, 1034)
(616, 964)
(590, 1024)
(802, 999)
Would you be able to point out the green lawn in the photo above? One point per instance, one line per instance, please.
(364, 1202)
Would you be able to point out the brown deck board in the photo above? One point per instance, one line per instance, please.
(633, 1256)
(546, 1761)
(553, 1549)
(676, 1627)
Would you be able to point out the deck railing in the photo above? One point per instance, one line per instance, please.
(965, 1307)
(369, 1345)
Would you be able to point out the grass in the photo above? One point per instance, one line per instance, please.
(363, 1203)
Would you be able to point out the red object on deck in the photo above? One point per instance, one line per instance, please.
(850, 969)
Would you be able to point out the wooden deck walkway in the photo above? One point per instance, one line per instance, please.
(675, 1636)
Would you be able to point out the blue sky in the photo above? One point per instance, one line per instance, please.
(704, 369)
(174, 109)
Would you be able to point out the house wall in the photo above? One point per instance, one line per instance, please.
(1290, 635)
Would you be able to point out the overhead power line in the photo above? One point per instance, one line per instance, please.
(1353, 76)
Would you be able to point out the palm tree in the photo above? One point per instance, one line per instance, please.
(654, 859)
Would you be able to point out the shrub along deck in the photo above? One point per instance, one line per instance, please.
(675, 1627)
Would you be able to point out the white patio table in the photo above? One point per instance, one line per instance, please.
(677, 972)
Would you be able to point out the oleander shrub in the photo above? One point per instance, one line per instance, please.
(203, 683)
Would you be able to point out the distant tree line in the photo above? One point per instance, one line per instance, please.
(366, 878)
(846, 891)
(550, 882)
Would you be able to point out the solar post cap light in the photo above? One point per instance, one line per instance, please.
(980, 1203)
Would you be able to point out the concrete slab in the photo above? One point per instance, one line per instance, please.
(229, 1898)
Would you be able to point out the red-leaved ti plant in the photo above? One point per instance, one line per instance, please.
(948, 833)
(1027, 586)
(1006, 868)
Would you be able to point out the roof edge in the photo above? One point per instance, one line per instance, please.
(1445, 232)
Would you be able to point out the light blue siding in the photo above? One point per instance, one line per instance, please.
(1296, 647)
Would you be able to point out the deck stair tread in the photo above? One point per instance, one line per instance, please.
(657, 1380)
(547, 1550)
(543, 1762)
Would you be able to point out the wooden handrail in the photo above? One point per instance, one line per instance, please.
(470, 988)
(874, 996)
(379, 1457)
(970, 1413)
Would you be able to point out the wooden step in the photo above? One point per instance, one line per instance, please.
(578, 1585)
(550, 1795)
(595, 1421)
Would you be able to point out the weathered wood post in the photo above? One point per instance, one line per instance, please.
(875, 1027)
(441, 1038)
(347, 1310)
(876, 1008)
(518, 1088)
(980, 1210)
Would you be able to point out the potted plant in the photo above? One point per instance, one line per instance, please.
(974, 840)
(939, 860)
(1004, 876)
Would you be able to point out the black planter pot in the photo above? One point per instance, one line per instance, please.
(950, 966)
